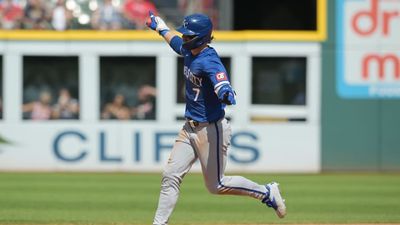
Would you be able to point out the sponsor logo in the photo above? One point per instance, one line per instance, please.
(368, 51)
(221, 76)
(72, 146)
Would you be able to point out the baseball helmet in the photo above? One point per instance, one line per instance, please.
(199, 26)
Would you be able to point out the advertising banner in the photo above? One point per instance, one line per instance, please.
(146, 147)
(368, 48)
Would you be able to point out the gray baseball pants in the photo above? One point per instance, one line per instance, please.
(208, 142)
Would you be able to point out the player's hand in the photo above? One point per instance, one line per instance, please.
(229, 98)
(157, 24)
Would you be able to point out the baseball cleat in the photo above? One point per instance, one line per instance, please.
(274, 199)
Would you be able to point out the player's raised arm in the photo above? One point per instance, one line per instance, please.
(157, 24)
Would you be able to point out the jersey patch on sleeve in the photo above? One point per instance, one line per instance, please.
(221, 76)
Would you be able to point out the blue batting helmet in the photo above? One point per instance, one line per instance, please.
(199, 26)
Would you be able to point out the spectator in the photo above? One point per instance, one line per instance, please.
(41, 109)
(117, 109)
(36, 15)
(60, 16)
(191, 6)
(145, 110)
(188, 7)
(107, 17)
(10, 15)
(66, 106)
(136, 12)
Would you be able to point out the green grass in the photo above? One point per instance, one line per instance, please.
(123, 198)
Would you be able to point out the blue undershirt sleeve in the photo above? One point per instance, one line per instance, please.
(176, 44)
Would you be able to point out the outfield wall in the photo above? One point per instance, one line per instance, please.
(278, 142)
(359, 97)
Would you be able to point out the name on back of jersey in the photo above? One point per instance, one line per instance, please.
(196, 81)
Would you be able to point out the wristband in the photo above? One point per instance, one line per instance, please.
(163, 32)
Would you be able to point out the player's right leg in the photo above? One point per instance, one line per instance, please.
(275, 200)
(179, 163)
(213, 155)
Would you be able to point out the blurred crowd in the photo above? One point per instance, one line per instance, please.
(44, 108)
(66, 107)
(143, 109)
(95, 14)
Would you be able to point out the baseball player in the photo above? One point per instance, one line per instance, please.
(206, 133)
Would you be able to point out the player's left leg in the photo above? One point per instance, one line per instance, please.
(180, 161)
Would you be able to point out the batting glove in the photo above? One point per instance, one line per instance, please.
(226, 95)
(157, 24)
(229, 98)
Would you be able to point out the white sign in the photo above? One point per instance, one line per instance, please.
(368, 48)
(124, 146)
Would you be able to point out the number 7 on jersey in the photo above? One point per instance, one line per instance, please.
(197, 90)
